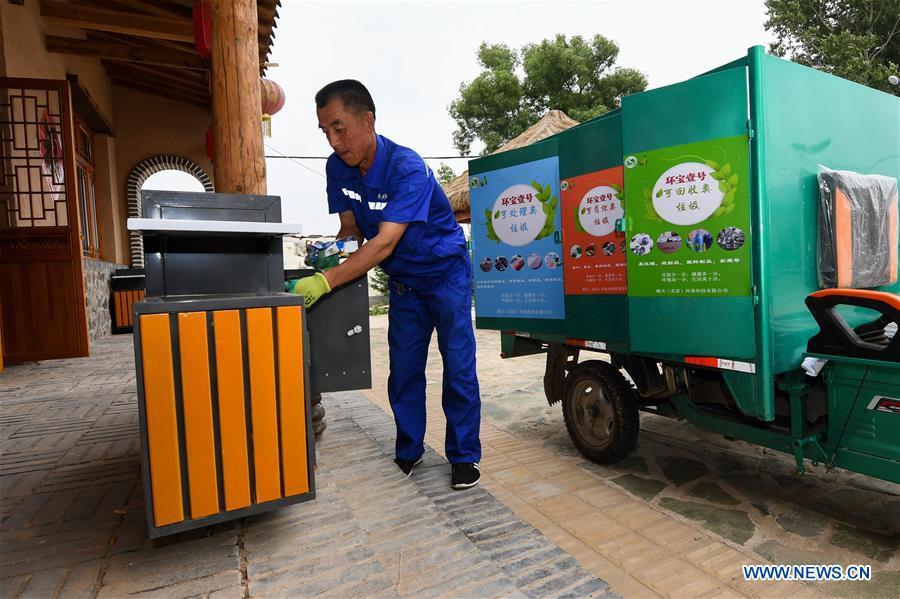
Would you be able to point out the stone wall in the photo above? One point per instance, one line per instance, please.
(97, 274)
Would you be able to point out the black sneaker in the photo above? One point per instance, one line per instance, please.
(407, 465)
(465, 475)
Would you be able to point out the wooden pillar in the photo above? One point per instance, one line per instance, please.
(239, 162)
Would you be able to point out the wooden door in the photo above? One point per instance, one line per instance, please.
(42, 307)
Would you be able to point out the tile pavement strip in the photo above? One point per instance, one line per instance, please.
(72, 515)
(482, 529)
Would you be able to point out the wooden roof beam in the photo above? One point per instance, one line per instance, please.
(169, 94)
(139, 54)
(85, 17)
(126, 40)
(264, 48)
(127, 70)
(145, 7)
(182, 3)
(180, 47)
(156, 79)
(142, 42)
(152, 8)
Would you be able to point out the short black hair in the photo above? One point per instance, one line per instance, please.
(351, 92)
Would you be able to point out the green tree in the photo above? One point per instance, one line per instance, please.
(380, 281)
(574, 75)
(445, 174)
(854, 39)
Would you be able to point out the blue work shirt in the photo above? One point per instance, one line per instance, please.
(400, 188)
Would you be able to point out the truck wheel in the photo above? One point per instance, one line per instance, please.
(600, 411)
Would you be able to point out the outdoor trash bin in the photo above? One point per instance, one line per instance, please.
(127, 288)
(221, 359)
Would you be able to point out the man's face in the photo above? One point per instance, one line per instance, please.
(349, 133)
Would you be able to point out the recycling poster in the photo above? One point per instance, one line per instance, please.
(517, 242)
(689, 220)
(592, 205)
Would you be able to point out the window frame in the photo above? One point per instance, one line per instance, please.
(85, 189)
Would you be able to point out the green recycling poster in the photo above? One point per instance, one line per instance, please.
(688, 218)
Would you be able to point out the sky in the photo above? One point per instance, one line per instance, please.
(413, 56)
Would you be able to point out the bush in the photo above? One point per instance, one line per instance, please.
(379, 309)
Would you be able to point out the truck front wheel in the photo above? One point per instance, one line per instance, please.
(601, 412)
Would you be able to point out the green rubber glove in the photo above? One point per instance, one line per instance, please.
(311, 288)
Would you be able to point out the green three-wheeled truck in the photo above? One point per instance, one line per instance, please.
(730, 243)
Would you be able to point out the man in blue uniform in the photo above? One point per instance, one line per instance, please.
(386, 194)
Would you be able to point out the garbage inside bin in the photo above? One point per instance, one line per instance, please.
(323, 255)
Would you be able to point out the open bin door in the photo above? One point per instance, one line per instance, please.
(688, 213)
(338, 327)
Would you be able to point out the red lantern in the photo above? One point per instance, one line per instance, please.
(272, 101)
(272, 96)
(202, 13)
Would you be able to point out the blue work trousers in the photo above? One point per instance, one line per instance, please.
(415, 311)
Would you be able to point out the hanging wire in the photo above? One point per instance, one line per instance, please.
(292, 159)
(295, 159)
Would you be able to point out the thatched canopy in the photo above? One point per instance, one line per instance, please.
(552, 123)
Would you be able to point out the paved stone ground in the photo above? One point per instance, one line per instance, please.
(73, 517)
(678, 518)
(751, 499)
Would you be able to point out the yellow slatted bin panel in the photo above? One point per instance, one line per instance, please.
(130, 298)
(224, 418)
(120, 309)
(263, 406)
(162, 419)
(123, 301)
(198, 416)
(232, 416)
(292, 395)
